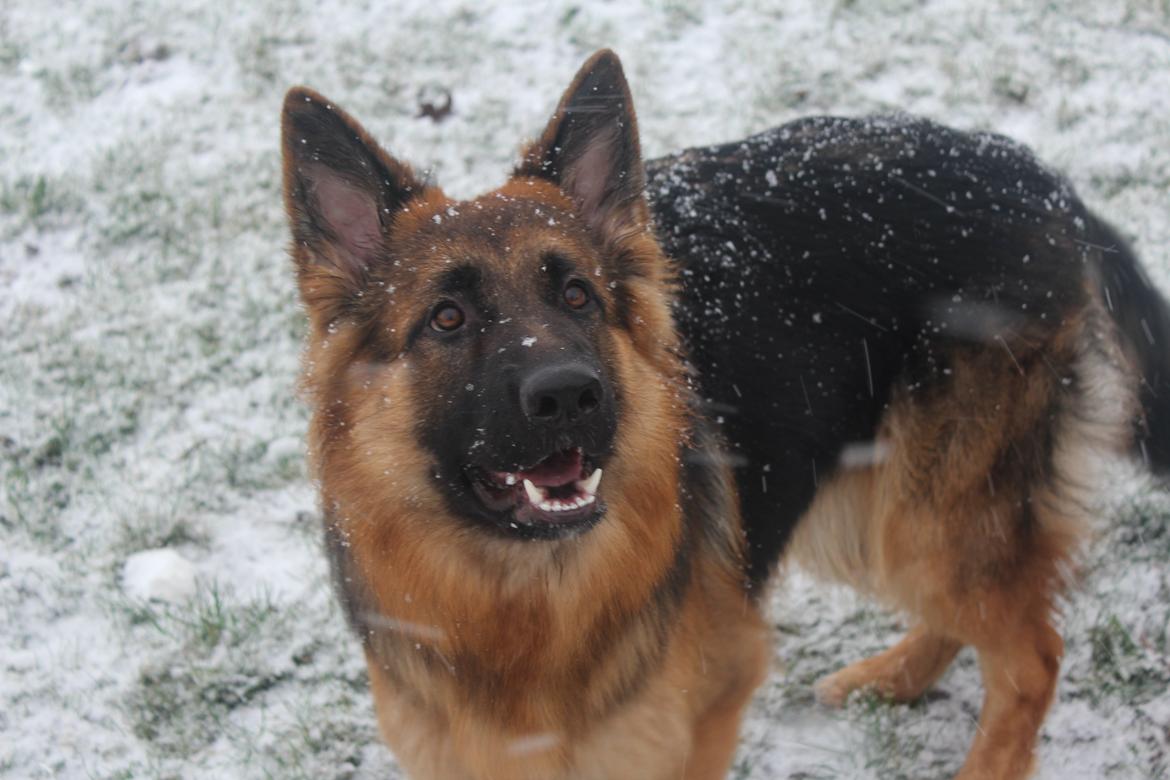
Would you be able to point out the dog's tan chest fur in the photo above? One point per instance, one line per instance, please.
(682, 723)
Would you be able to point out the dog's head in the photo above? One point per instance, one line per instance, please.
(508, 362)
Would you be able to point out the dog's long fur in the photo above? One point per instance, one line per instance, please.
(887, 347)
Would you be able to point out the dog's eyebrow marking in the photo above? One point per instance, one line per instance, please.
(461, 278)
(556, 263)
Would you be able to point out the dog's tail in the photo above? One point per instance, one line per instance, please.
(1143, 319)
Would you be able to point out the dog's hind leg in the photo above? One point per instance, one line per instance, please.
(903, 673)
(976, 520)
(1020, 667)
(1000, 600)
(836, 542)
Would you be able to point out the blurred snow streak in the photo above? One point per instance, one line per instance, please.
(150, 340)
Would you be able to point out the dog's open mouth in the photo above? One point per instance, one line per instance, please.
(561, 489)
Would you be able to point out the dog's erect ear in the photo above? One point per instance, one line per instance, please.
(341, 191)
(590, 148)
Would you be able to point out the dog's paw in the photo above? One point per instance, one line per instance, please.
(832, 690)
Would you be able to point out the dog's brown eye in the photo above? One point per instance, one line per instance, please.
(576, 295)
(447, 317)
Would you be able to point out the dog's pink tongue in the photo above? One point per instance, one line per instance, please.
(558, 469)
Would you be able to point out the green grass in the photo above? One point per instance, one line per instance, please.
(216, 617)
(65, 87)
(890, 748)
(216, 660)
(1125, 668)
(1142, 526)
(37, 201)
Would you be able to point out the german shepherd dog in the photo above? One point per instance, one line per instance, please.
(564, 431)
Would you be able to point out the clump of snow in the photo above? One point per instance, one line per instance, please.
(159, 575)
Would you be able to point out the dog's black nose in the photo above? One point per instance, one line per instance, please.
(560, 393)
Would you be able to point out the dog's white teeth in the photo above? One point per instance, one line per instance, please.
(589, 486)
(539, 497)
(510, 479)
(554, 505)
(536, 496)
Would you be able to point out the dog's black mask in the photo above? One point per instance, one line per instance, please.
(528, 416)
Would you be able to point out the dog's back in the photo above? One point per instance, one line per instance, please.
(828, 263)
(916, 340)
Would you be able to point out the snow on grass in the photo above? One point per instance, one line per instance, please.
(150, 341)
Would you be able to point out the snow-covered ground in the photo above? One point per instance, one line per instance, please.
(149, 339)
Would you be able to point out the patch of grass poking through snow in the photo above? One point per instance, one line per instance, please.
(322, 739)
(161, 528)
(250, 466)
(1142, 526)
(219, 659)
(215, 616)
(32, 501)
(891, 750)
(178, 711)
(69, 85)
(35, 199)
(1124, 668)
